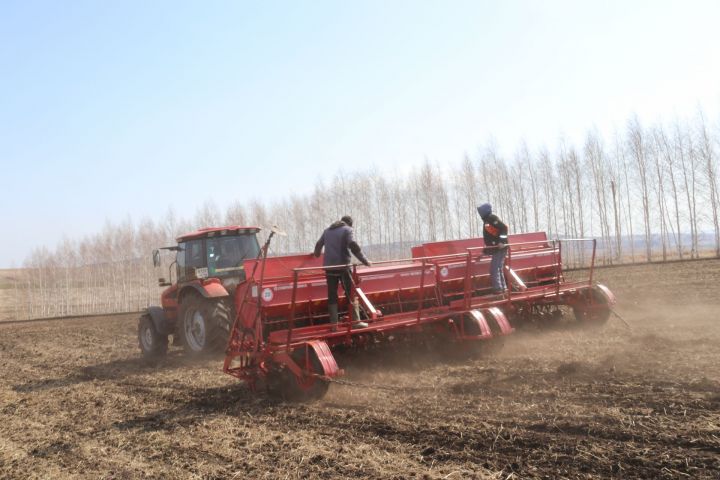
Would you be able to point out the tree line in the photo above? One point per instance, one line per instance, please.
(647, 193)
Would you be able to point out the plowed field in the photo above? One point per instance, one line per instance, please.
(624, 402)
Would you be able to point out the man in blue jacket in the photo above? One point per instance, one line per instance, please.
(495, 235)
(339, 242)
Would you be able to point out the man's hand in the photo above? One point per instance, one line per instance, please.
(368, 263)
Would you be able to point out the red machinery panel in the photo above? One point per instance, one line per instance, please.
(532, 258)
(383, 284)
(449, 247)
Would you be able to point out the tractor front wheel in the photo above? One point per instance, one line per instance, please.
(152, 344)
(200, 321)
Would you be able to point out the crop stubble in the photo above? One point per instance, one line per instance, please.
(642, 402)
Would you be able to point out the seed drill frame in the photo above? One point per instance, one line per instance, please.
(281, 335)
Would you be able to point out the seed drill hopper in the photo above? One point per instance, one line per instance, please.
(282, 337)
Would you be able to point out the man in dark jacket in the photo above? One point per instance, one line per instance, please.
(495, 235)
(339, 242)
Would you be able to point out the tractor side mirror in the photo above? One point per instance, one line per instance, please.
(156, 258)
(163, 283)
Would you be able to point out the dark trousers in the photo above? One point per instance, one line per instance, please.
(334, 277)
(497, 276)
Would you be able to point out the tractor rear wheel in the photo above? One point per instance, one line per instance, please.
(593, 310)
(152, 344)
(285, 385)
(201, 322)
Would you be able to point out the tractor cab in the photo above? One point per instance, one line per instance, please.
(216, 253)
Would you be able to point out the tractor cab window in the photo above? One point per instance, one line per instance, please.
(225, 255)
(190, 258)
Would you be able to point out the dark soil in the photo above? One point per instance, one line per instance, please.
(618, 402)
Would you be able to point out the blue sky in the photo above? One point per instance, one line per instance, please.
(120, 108)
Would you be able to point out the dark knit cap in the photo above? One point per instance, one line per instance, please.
(484, 210)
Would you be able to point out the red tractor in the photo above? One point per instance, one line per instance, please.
(198, 308)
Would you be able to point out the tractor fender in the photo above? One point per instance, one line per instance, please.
(160, 321)
(605, 293)
(210, 289)
(214, 288)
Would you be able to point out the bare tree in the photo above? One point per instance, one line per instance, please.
(520, 188)
(616, 181)
(659, 189)
(426, 190)
(625, 164)
(688, 161)
(670, 163)
(529, 165)
(596, 158)
(207, 215)
(470, 195)
(638, 151)
(548, 176)
(235, 214)
(707, 156)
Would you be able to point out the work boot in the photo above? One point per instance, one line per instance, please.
(333, 311)
(355, 312)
